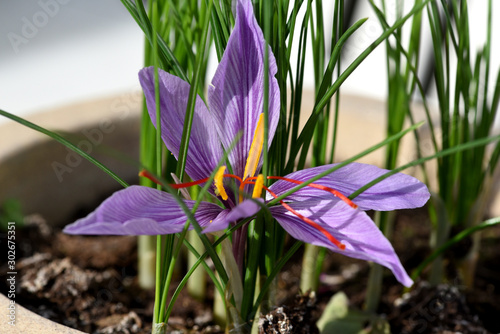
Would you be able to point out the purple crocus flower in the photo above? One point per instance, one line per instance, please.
(319, 214)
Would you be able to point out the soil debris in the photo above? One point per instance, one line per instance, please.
(440, 309)
(296, 318)
(129, 323)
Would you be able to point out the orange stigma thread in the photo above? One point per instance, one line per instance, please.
(334, 192)
(320, 228)
(148, 175)
(258, 182)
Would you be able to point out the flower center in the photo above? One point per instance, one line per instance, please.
(258, 182)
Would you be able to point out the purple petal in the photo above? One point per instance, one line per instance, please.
(245, 209)
(138, 210)
(362, 238)
(236, 95)
(399, 191)
(205, 149)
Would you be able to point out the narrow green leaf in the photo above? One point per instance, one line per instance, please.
(449, 151)
(305, 137)
(65, 142)
(456, 239)
(346, 162)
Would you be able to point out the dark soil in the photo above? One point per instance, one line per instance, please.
(90, 283)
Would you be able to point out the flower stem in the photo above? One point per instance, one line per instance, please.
(308, 277)
(146, 249)
(160, 328)
(439, 235)
(197, 284)
(239, 245)
(374, 289)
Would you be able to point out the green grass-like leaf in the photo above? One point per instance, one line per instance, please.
(64, 142)
(453, 241)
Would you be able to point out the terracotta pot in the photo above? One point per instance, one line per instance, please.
(29, 322)
(50, 180)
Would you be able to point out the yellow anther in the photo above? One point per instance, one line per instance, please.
(255, 149)
(218, 182)
(257, 189)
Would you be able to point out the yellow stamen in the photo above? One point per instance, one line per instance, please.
(255, 149)
(218, 179)
(257, 189)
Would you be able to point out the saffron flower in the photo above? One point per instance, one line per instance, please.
(319, 214)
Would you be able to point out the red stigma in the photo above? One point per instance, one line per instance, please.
(310, 222)
(334, 192)
(251, 180)
(148, 175)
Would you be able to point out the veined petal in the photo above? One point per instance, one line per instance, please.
(399, 191)
(236, 95)
(245, 209)
(138, 210)
(205, 148)
(352, 227)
